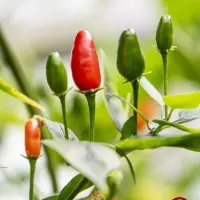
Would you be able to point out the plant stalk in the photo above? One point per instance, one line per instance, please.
(165, 68)
(135, 86)
(23, 83)
(32, 162)
(63, 105)
(91, 104)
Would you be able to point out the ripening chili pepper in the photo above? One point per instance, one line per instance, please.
(84, 62)
(130, 59)
(149, 109)
(32, 138)
(56, 73)
(164, 33)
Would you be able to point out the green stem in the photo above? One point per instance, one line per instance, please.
(77, 189)
(32, 162)
(23, 83)
(63, 104)
(170, 114)
(135, 86)
(91, 104)
(165, 68)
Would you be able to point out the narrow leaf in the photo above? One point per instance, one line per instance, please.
(183, 101)
(13, 92)
(152, 91)
(93, 160)
(187, 141)
(55, 197)
(67, 191)
(115, 107)
(128, 128)
(57, 130)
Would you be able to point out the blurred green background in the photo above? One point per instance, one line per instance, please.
(36, 28)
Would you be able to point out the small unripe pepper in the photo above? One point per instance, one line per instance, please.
(32, 138)
(85, 63)
(56, 74)
(164, 33)
(130, 59)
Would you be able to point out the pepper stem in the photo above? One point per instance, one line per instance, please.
(135, 86)
(91, 104)
(165, 68)
(63, 105)
(32, 162)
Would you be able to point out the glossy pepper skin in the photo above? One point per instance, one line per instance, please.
(130, 59)
(32, 138)
(164, 33)
(85, 63)
(56, 74)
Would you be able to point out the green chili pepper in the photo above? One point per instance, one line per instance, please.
(56, 74)
(130, 59)
(164, 33)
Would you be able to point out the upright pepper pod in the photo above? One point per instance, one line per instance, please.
(130, 59)
(32, 138)
(56, 74)
(164, 33)
(84, 62)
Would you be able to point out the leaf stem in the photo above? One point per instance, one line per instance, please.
(135, 86)
(32, 162)
(19, 75)
(63, 105)
(164, 55)
(91, 104)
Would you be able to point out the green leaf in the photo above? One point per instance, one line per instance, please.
(115, 107)
(57, 130)
(128, 128)
(13, 92)
(183, 101)
(152, 91)
(85, 192)
(187, 141)
(66, 193)
(93, 160)
(55, 197)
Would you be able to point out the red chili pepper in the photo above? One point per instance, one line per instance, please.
(32, 138)
(84, 62)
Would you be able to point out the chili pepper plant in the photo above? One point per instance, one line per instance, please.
(98, 164)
